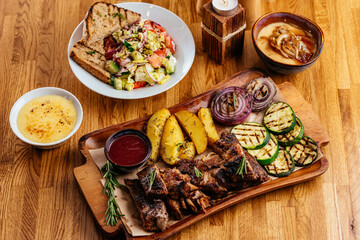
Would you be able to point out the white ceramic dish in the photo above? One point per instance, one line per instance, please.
(178, 30)
(42, 92)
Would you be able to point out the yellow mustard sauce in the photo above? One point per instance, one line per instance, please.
(47, 119)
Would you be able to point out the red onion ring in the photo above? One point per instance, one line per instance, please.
(262, 91)
(231, 105)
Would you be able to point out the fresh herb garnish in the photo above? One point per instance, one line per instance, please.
(180, 145)
(119, 14)
(234, 99)
(197, 172)
(242, 167)
(99, 14)
(151, 178)
(244, 96)
(112, 213)
(91, 52)
(128, 46)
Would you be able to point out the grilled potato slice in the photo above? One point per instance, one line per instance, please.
(194, 128)
(187, 151)
(154, 131)
(205, 117)
(171, 140)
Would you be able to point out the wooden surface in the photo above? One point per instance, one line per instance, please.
(88, 175)
(40, 198)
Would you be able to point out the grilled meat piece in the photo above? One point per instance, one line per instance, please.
(226, 142)
(152, 211)
(158, 188)
(180, 189)
(174, 208)
(230, 150)
(206, 182)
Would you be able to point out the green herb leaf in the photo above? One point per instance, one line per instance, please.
(234, 99)
(119, 14)
(242, 167)
(181, 145)
(244, 96)
(91, 52)
(151, 178)
(112, 213)
(128, 46)
(197, 172)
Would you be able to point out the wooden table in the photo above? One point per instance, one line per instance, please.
(39, 195)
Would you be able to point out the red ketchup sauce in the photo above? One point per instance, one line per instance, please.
(128, 150)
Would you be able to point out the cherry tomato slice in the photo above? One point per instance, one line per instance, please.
(161, 52)
(170, 44)
(139, 84)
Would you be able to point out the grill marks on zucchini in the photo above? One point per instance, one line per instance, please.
(305, 152)
(293, 137)
(279, 118)
(282, 166)
(268, 153)
(251, 135)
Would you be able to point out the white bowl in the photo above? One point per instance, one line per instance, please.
(42, 92)
(178, 30)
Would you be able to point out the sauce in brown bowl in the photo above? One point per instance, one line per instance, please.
(128, 149)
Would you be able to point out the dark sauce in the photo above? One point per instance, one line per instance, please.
(128, 150)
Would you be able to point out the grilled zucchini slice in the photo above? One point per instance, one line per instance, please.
(251, 135)
(282, 166)
(279, 118)
(304, 152)
(294, 136)
(268, 153)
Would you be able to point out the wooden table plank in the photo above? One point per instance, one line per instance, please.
(40, 198)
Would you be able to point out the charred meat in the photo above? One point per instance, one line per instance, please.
(230, 150)
(183, 195)
(152, 182)
(152, 211)
(198, 170)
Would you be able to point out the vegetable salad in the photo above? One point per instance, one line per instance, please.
(139, 56)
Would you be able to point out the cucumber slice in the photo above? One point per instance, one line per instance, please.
(304, 152)
(279, 118)
(251, 135)
(268, 153)
(111, 67)
(294, 136)
(282, 166)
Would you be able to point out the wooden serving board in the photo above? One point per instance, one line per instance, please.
(88, 175)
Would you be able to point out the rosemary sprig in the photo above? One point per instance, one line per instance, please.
(151, 178)
(197, 172)
(242, 167)
(244, 96)
(234, 99)
(112, 213)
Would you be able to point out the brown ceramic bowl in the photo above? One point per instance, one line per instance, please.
(294, 19)
(129, 132)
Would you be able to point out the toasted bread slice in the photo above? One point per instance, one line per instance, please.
(91, 61)
(103, 19)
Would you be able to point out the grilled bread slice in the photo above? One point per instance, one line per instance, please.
(91, 61)
(101, 21)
